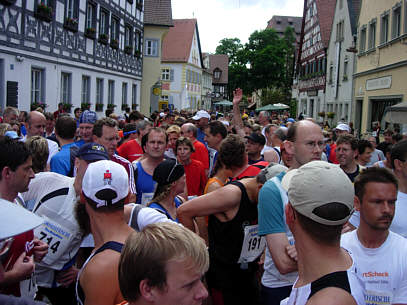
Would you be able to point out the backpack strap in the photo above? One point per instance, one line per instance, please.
(59, 192)
(134, 217)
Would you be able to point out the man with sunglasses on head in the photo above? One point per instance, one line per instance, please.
(56, 198)
(15, 175)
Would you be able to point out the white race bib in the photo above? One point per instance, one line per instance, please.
(378, 297)
(253, 244)
(146, 198)
(56, 236)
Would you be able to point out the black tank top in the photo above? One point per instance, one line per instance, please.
(226, 238)
(112, 245)
(337, 279)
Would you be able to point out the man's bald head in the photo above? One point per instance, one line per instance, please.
(35, 124)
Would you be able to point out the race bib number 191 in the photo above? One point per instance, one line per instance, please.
(253, 245)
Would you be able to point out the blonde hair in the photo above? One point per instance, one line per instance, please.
(174, 128)
(38, 146)
(146, 253)
(4, 127)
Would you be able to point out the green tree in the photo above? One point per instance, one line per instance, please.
(230, 47)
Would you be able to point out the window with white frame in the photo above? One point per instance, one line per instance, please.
(115, 28)
(110, 92)
(384, 30)
(37, 78)
(165, 74)
(66, 87)
(137, 41)
(345, 68)
(99, 91)
(151, 47)
(164, 98)
(372, 34)
(128, 36)
(362, 39)
(85, 89)
(396, 21)
(104, 22)
(90, 16)
(124, 94)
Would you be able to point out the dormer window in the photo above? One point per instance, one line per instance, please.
(217, 73)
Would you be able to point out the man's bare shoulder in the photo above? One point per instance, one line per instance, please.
(332, 296)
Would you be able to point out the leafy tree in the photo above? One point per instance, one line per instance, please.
(230, 47)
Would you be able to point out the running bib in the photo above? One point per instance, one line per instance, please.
(56, 236)
(377, 297)
(253, 245)
(146, 198)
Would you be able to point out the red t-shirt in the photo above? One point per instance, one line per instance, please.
(250, 171)
(17, 247)
(130, 150)
(201, 154)
(196, 178)
(332, 154)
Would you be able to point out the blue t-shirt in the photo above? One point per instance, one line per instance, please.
(200, 136)
(79, 143)
(145, 185)
(61, 161)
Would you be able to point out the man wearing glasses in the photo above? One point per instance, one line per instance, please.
(305, 143)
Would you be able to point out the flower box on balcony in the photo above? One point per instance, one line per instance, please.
(43, 12)
(85, 106)
(90, 33)
(111, 106)
(124, 107)
(114, 43)
(137, 53)
(133, 106)
(71, 24)
(7, 2)
(128, 49)
(37, 105)
(99, 107)
(67, 107)
(103, 38)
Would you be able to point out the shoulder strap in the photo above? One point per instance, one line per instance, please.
(134, 217)
(112, 245)
(337, 279)
(59, 192)
(240, 185)
(162, 210)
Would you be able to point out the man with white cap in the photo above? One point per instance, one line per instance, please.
(105, 189)
(339, 130)
(201, 119)
(14, 221)
(305, 143)
(320, 202)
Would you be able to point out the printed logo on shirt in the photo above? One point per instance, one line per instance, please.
(375, 274)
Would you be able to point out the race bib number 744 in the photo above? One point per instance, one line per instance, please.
(253, 244)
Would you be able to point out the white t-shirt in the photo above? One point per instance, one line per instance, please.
(399, 224)
(60, 229)
(299, 295)
(383, 269)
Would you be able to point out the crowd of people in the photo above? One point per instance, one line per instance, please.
(191, 208)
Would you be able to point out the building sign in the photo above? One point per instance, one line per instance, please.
(378, 83)
(312, 93)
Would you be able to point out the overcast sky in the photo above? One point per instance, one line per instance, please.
(218, 19)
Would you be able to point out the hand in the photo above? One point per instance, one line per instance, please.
(22, 269)
(40, 250)
(66, 277)
(237, 96)
(292, 252)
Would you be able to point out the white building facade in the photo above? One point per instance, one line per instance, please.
(73, 52)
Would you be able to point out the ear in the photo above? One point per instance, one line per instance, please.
(94, 138)
(355, 154)
(397, 164)
(5, 172)
(356, 203)
(146, 291)
(289, 147)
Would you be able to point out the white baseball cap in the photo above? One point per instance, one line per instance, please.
(344, 127)
(201, 114)
(316, 184)
(15, 220)
(105, 183)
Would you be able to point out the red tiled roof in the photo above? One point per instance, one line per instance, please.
(177, 43)
(326, 10)
(157, 12)
(220, 61)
